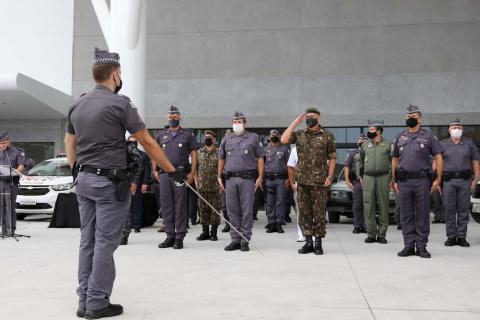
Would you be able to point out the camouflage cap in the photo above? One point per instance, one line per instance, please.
(375, 123)
(238, 115)
(456, 122)
(210, 132)
(173, 110)
(312, 110)
(413, 109)
(105, 57)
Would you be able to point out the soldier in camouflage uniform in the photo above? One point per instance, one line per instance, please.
(207, 186)
(314, 175)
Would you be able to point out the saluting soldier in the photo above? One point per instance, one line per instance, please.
(353, 182)
(180, 146)
(276, 181)
(207, 186)
(241, 162)
(461, 159)
(412, 153)
(374, 163)
(15, 158)
(95, 140)
(314, 175)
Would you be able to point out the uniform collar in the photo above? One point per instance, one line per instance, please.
(204, 149)
(245, 134)
(321, 131)
(451, 141)
(102, 87)
(176, 132)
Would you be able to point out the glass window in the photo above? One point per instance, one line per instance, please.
(51, 168)
(38, 151)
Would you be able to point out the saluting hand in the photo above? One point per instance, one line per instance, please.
(299, 119)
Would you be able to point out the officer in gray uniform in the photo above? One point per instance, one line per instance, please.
(353, 182)
(241, 162)
(275, 177)
(179, 144)
(14, 157)
(96, 149)
(412, 172)
(460, 158)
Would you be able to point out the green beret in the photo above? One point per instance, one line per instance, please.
(210, 132)
(312, 110)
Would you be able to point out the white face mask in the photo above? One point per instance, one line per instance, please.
(237, 128)
(456, 133)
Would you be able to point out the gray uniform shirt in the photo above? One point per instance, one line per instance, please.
(99, 120)
(241, 152)
(459, 157)
(177, 145)
(16, 156)
(351, 161)
(415, 150)
(276, 158)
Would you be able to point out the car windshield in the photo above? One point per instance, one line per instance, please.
(51, 168)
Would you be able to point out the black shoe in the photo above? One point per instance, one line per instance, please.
(440, 220)
(382, 240)
(318, 250)
(406, 252)
(463, 243)
(451, 242)
(399, 227)
(267, 225)
(124, 241)
(178, 244)
(213, 233)
(205, 235)
(136, 230)
(111, 310)
(272, 227)
(307, 247)
(282, 223)
(288, 219)
(363, 230)
(244, 247)
(233, 246)
(168, 243)
(357, 230)
(370, 240)
(80, 313)
(226, 229)
(255, 217)
(194, 223)
(423, 253)
(279, 228)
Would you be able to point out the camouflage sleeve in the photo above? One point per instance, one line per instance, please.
(331, 147)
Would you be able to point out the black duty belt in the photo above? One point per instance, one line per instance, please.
(97, 171)
(376, 174)
(402, 175)
(250, 174)
(273, 176)
(465, 175)
(187, 169)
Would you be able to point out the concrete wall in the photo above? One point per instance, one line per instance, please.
(354, 59)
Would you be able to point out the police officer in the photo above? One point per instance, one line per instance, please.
(207, 185)
(411, 169)
(14, 157)
(241, 157)
(276, 181)
(353, 182)
(374, 164)
(95, 140)
(314, 175)
(179, 145)
(461, 159)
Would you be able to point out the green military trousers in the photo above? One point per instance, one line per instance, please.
(376, 192)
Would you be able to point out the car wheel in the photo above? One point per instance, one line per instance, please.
(476, 216)
(21, 216)
(334, 217)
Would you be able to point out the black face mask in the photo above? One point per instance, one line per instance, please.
(371, 135)
(208, 142)
(311, 122)
(274, 139)
(118, 87)
(173, 123)
(411, 122)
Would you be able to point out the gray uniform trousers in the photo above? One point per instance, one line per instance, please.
(102, 218)
(275, 200)
(456, 200)
(415, 211)
(357, 206)
(174, 207)
(8, 197)
(240, 196)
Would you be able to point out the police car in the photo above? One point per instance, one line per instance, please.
(39, 188)
(475, 203)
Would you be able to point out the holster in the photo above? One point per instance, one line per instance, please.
(122, 179)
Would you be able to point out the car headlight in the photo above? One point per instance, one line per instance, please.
(62, 187)
(339, 194)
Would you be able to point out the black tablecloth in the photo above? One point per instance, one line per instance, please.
(150, 210)
(66, 213)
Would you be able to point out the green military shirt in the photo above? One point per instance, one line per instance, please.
(207, 169)
(314, 149)
(374, 158)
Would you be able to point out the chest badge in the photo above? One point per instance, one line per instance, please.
(422, 145)
(246, 151)
(180, 145)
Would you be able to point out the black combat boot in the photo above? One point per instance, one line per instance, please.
(463, 243)
(451, 242)
(226, 228)
(382, 240)
(318, 246)
(406, 252)
(244, 246)
(124, 241)
(168, 243)
(308, 246)
(178, 244)
(205, 235)
(288, 219)
(279, 228)
(213, 233)
(272, 227)
(111, 310)
(370, 239)
(233, 246)
(423, 253)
